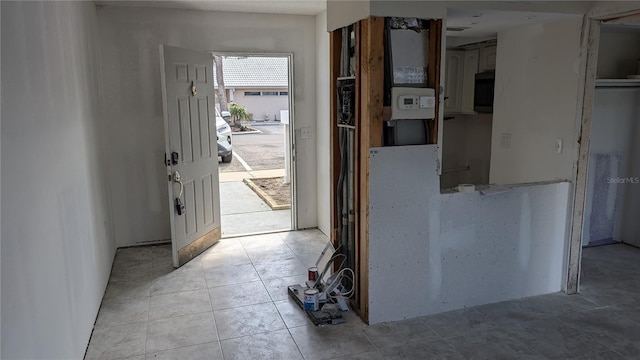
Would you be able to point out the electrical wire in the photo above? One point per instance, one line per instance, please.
(339, 276)
(341, 179)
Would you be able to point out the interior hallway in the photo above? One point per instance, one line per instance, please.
(231, 302)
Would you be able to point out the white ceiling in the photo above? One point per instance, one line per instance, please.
(487, 23)
(481, 23)
(294, 7)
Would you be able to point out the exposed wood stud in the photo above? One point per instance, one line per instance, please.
(369, 123)
(371, 96)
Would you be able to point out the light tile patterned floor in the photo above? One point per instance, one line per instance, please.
(231, 303)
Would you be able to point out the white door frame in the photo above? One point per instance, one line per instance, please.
(292, 134)
(588, 66)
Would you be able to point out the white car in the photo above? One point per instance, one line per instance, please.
(223, 131)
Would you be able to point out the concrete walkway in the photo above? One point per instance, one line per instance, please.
(243, 211)
(253, 174)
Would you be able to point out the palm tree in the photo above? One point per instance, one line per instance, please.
(222, 94)
(238, 113)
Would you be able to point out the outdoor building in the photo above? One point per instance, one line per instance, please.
(260, 84)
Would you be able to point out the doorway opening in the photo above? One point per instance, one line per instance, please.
(254, 96)
(609, 241)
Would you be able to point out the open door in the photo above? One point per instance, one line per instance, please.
(191, 151)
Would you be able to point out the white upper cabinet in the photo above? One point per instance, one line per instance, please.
(488, 58)
(471, 61)
(460, 76)
(454, 71)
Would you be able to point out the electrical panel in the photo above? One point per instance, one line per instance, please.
(412, 103)
(346, 101)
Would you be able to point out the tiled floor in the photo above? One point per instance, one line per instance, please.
(231, 303)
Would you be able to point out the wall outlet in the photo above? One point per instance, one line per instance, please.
(557, 145)
(306, 133)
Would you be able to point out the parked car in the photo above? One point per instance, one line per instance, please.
(223, 131)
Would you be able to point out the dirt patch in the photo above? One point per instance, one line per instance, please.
(273, 191)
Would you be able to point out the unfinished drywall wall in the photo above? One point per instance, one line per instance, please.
(56, 247)
(536, 102)
(611, 157)
(618, 53)
(432, 252)
(133, 104)
(323, 124)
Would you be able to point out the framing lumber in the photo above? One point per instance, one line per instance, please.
(370, 135)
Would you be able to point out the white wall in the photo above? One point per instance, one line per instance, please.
(432, 252)
(618, 53)
(536, 101)
(133, 104)
(341, 13)
(322, 124)
(56, 245)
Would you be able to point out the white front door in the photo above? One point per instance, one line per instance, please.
(191, 148)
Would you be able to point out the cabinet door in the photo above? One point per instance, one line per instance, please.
(453, 83)
(471, 60)
(488, 58)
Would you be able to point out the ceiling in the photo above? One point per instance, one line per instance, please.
(294, 7)
(486, 23)
(477, 23)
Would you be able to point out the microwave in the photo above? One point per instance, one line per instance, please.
(483, 92)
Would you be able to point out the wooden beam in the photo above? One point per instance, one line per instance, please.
(335, 45)
(370, 129)
(433, 71)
